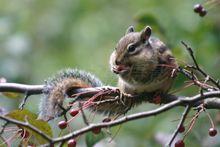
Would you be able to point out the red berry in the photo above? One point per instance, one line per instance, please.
(62, 124)
(71, 143)
(179, 143)
(96, 130)
(106, 119)
(203, 12)
(198, 8)
(212, 132)
(74, 112)
(181, 129)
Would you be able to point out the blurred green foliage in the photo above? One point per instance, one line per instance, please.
(38, 38)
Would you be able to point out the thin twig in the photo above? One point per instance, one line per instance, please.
(197, 67)
(24, 101)
(210, 118)
(61, 144)
(192, 77)
(183, 117)
(192, 123)
(3, 127)
(85, 120)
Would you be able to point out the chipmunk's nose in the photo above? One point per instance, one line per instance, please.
(117, 62)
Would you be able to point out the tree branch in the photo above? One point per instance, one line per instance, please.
(171, 100)
(21, 88)
(88, 92)
(188, 100)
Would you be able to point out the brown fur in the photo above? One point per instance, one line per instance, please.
(144, 65)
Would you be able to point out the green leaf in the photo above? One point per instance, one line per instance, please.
(92, 139)
(23, 115)
(12, 95)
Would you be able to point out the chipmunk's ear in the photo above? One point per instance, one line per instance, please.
(129, 30)
(146, 33)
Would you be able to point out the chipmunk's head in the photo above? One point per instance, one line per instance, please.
(134, 56)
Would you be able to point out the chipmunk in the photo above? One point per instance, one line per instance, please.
(143, 63)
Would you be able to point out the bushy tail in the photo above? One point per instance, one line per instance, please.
(55, 90)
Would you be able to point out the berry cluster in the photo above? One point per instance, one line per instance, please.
(198, 8)
(64, 123)
(180, 143)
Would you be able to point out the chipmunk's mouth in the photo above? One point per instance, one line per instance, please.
(121, 69)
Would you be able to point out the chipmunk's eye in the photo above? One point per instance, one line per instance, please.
(131, 48)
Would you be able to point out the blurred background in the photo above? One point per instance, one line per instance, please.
(39, 38)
